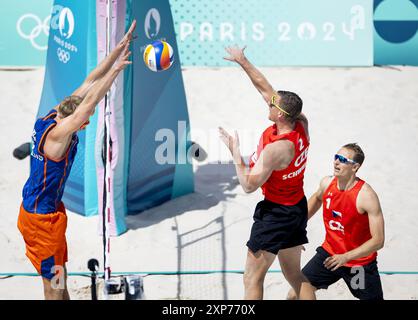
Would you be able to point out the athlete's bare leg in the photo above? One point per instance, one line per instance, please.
(256, 268)
(56, 289)
(290, 264)
(50, 292)
(66, 294)
(291, 295)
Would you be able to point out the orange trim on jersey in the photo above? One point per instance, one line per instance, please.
(41, 141)
(43, 189)
(63, 176)
(50, 115)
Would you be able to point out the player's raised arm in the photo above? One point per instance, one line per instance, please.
(86, 108)
(104, 66)
(237, 55)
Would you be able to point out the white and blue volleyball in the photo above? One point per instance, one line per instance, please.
(158, 56)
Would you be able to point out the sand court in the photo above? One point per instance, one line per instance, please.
(207, 230)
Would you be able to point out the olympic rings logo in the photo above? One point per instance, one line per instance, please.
(63, 56)
(41, 26)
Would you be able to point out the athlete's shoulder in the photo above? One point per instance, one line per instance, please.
(50, 115)
(278, 153)
(41, 124)
(323, 186)
(325, 182)
(278, 146)
(281, 146)
(47, 118)
(367, 192)
(367, 200)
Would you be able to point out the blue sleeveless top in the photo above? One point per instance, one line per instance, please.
(43, 190)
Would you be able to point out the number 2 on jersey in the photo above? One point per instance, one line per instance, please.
(301, 146)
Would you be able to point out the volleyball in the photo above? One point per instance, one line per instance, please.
(158, 56)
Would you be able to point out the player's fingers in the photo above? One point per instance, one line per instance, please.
(328, 262)
(333, 264)
(230, 50)
(132, 27)
(336, 267)
(222, 130)
(125, 48)
(236, 136)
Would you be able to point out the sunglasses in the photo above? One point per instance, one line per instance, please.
(273, 103)
(343, 159)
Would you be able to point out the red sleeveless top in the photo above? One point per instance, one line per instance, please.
(346, 228)
(285, 186)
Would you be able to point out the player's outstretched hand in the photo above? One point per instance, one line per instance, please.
(231, 142)
(124, 59)
(128, 37)
(236, 54)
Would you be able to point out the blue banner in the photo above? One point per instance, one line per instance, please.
(71, 53)
(159, 110)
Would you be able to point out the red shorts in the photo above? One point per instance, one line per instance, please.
(44, 235)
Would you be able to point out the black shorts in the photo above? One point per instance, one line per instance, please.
(278, 226)
(368, 287)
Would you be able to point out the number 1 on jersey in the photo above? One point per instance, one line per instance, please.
(328, 200)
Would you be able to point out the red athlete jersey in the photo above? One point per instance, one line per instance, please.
(285, 186)
(346, 228)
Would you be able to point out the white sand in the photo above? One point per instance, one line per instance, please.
(207, 230)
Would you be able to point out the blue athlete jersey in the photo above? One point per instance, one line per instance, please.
(43, 190)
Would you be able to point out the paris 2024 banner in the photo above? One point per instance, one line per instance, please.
(285, 32)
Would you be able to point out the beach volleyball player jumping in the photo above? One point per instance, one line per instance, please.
(42, 218)
(278, 166)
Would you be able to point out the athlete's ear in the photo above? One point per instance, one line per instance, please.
(356, 166)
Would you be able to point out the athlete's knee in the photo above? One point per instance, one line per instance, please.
(294, 276)
(51, 292)
(53, 289)
(291, 295)
(253, 278)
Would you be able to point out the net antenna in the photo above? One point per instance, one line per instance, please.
(107, 152)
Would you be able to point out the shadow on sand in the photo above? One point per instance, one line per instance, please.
(213, 184)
